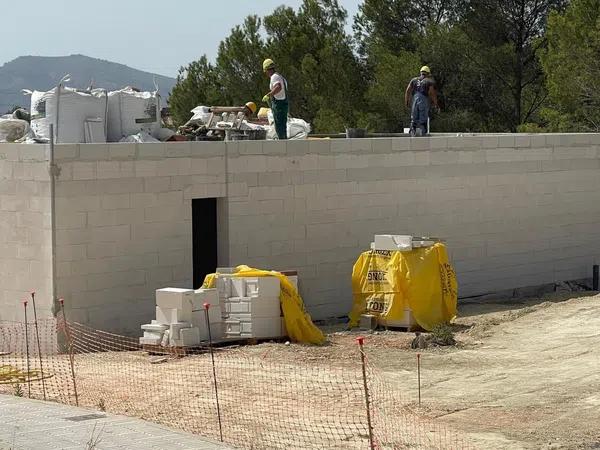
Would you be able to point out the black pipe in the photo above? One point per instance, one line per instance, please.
(595, 277)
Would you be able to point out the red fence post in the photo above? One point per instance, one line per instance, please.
(361, 341)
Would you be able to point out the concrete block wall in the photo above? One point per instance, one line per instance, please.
(123, 225)
(516, 210)
(25, 230)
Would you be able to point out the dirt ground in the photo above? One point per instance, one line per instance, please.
(525, 374)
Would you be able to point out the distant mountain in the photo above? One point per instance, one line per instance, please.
(43, 73)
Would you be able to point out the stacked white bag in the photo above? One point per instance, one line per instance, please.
(78, 116)
(131, 112)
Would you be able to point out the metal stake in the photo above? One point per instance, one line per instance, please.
(27, 351)
(361, 341)
(595, 277)
(71, 354)
(419, 375)
(212, 357)
(37, 335)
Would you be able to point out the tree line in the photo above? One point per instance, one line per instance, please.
(499, 65)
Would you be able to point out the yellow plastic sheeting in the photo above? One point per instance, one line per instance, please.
(385, 283)
(298, 323)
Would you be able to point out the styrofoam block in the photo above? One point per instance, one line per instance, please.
(155, 327)
(175, 328)
(254, 306)
(392, 242)
(149, 341)
(174, 298)
(263, 286)
(257, 327)
(190, 336)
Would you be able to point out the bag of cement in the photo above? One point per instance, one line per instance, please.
(12, 130)
(67, 109)
(131, 111)
(296, 128)
(140, 138)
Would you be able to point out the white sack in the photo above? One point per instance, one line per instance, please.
(201, 113)
(296, 128)
(140, 138)
(12, 129)
(68, 109)
(130, 112)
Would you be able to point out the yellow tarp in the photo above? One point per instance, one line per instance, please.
(385, 283)
(300, 327)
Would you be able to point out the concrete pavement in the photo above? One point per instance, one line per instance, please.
(34, 425)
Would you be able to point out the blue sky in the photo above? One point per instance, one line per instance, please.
(152, 35)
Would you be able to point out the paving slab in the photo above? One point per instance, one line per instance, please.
(33, 425)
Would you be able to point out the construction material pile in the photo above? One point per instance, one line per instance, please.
(404, 281)
(92, 115)
(239, 307)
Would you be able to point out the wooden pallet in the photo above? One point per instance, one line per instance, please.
(203, 347)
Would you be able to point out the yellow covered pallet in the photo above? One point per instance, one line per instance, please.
(298, 323)
(385, 283)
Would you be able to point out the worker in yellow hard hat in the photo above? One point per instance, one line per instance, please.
(277, 97)
(420, 94)
(250, 108)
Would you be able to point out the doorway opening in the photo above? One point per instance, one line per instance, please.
(204, 238)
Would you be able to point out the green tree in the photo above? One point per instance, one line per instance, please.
(512, 34)
(572, 67)
(239, 63)
(315, 54)
(397, 25)
(197, 84)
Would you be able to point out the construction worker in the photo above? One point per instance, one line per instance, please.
(277, 97)
(250, 108)
(421, 93)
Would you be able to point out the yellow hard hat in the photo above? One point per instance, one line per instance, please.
(251, 106)
(268, 64)
(425, 69)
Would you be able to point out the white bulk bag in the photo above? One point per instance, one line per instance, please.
(68, 109)
(130, 112)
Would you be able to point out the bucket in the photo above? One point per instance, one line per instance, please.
(353, 133)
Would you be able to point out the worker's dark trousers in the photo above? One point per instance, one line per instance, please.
(419, 113)
(280, 110)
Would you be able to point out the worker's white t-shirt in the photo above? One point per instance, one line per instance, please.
(278, 79)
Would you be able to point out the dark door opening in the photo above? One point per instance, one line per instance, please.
(204, 238)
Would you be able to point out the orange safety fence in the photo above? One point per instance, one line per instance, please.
(263, 402)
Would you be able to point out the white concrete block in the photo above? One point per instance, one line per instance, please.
(407, 321)
(258, 328)
(174, 298)
(199, 317)
(238, 287)
(150, 341)
(175, 330)
(169, 315)
(262, 286)
(252, 307)
(155, 327)
(190, 336)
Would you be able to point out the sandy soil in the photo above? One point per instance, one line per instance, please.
(524, 374)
